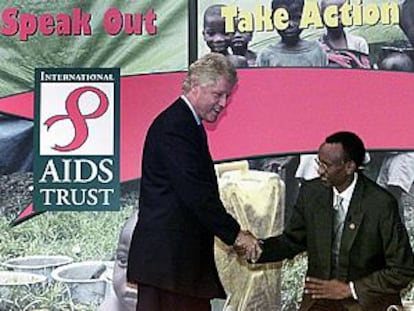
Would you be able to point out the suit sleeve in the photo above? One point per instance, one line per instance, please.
(293, 239)
(399, 270)
(187, 169)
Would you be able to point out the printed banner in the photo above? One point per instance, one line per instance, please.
(72, 128)
(76, 164)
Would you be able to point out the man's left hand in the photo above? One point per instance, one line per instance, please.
(327, 289)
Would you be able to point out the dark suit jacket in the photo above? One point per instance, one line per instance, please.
(180, 210)
(375, 252)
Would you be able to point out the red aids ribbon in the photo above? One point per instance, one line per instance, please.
(77, 118)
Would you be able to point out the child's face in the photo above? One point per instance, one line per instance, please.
(216, 38)
(291, 34)
(240, 41)
(338, 4)
(127, 296)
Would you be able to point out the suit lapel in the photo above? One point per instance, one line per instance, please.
(353, 221)
(325, 223)
(193, 126)
(203, 135)
(198, 133)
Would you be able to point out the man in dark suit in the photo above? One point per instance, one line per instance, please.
(359, 256)
(171, 254)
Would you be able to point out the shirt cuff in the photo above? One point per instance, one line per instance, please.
(353, 291)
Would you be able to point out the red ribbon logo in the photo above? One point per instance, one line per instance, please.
(77, 118)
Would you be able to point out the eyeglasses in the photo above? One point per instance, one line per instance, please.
(326, 166)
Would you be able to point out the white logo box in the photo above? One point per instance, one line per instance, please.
(53, 96)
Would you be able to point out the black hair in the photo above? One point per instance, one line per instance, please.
(214, 9)
(287, 3)
(353, 146)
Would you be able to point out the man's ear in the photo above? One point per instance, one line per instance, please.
(194, 84)
(350, 167)
(194, 89)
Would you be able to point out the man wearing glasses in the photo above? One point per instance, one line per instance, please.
(359, 256)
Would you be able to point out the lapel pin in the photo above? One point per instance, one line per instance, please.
(352, 226)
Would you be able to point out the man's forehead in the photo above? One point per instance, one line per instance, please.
(218, 82)
(331, 150)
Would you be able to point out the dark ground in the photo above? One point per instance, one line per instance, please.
(16, 193)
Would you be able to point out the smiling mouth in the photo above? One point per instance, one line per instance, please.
(219, 45)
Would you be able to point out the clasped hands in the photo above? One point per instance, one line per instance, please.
(247, 246)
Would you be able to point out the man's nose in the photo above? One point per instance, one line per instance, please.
(223, 101)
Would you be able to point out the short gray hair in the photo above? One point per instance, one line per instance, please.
(208, 69)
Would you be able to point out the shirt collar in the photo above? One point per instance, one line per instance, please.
(347, 193)
(196, 117)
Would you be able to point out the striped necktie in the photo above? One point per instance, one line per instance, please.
(338, 228)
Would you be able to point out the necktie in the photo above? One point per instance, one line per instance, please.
(338, 227)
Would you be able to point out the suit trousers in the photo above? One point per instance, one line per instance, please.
(334, 305)
(156, 299)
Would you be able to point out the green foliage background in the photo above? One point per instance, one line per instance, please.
(166, 51)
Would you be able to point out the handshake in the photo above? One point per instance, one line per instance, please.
(247, 246)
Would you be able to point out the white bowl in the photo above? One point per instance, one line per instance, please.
(39, 264)
(85, 280)
(15, 283)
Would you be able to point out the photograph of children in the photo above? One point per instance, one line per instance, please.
(344, 50)
(239, 44)
(345, 45)
(292, 50)
(216, 38)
